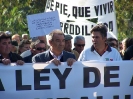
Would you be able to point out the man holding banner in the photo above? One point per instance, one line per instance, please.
(6, 56)
(100, 50)
(56, 53)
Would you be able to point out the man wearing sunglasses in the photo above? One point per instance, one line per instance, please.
(79, 43)
(56, 53)
(100, 50)
(36, 47)
(68, 46)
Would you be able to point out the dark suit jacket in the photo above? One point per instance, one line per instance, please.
(128, 53)
(46, 56)
(28, 59)
(13, 57)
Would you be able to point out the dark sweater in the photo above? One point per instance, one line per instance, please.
(13, 57)
(128, 53)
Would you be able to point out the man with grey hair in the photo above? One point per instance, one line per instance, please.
(79, 43)
(56, 53)
(25, 37)
(68, 46)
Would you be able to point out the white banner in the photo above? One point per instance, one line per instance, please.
(86, 80)
(84, 12)
(85, 9)
(82, 28)
(43, 23)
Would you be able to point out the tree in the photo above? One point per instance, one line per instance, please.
(14, 12)
(124, 17)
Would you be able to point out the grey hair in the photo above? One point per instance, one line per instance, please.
(56, 31)
(79, 37)
(24, 35)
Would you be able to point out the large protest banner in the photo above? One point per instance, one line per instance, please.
(86, 80)
(82, 12)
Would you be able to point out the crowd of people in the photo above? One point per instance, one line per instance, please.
(57, 48)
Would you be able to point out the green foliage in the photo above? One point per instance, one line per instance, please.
(124, 17)
(13, 15)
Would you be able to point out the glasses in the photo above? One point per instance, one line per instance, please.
(80, 45)
(41, 48)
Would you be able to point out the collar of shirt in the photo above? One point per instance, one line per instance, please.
(57, 57)
(108, 48)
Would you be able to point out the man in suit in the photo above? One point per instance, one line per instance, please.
(56, 53)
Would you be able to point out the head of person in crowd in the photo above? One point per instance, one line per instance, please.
(6, 56)
(42, 38)
(5, 44)
(125, 44)
(16, 37)
(99, 36)
(23, 46)
(112, 42)
(25, 37)
(79, 43)
(14, 47)
(56, 41)
(68, 43)
(68, 46)
(37, 47)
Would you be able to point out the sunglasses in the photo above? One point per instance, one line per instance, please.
(80, 45)
(41, 48)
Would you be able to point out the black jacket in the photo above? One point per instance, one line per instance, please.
(13, 57)
(128, 53)
(46, 56)
(28, 59)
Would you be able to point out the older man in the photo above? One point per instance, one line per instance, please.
(79, 43)
(56, 53)
(16, 37)
(68, 46)
(6, 56)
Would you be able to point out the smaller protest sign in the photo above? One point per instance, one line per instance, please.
(43, 23)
